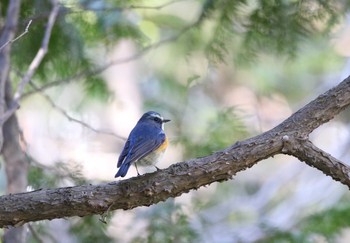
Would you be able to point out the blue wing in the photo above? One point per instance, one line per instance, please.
(143, 145)
(142, 141)
(124, 153)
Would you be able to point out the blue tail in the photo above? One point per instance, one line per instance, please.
(123, 170)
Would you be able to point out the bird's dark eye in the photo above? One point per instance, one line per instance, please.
(157, 119)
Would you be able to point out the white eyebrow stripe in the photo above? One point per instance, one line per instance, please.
(156, 115)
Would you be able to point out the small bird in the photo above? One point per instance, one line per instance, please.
(145, 145)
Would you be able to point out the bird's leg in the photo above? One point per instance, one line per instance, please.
(137, 170)
(157, 168)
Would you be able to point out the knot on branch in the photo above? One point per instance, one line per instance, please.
(292, 144)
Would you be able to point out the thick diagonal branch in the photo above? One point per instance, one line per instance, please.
(180, 178)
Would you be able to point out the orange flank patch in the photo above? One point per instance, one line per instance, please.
(163, 146)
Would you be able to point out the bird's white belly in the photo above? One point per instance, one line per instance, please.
(151, 159)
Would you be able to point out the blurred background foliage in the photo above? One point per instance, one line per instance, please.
(222, 71)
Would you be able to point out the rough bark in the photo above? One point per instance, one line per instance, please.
(15, 162)
(7, 34)
(16, 167)
(290, 137)
(14, 157)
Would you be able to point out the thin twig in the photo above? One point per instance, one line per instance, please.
(155, 7)
(26, 30)
(34, 234)
(72, 119)
(98, 70)
(41, 53)
(34, 64)
(76, 10)
(104, 215)
(106, 9)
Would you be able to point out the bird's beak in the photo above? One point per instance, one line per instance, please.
(166, 120)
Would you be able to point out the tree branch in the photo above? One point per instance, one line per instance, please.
(98, 70)
(306, 151)
(34, 64)
(72, 119)
(78, 9)
(17, 209)
(157, 7)
(26, 30)
(7, 35)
